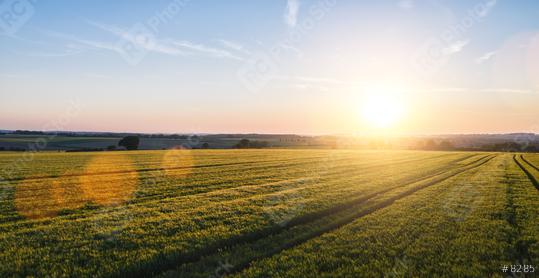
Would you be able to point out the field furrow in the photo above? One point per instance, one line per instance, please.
(143, 214)
(309, 226)
(529, 169)
(462, 220)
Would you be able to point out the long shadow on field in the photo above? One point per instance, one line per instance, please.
(326, 221)
(198, 191)
(529, 163)
(144, 170)
(530, 176)
(349, 214)
(44, 177)
(521, 245)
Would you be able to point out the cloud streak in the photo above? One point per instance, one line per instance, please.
(455, 47)
(173, 47)
(152, 44)
(483, 90)
(206, 50)
(485, 57)
(311, 79)
(406, 4)
(486, 8)
(291, 13)
(234, 46)
(507, 91)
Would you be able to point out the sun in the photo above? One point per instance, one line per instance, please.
(382, 108)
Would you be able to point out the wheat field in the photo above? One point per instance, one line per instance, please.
(262, 213)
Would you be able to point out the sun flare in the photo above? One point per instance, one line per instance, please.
(382, 108)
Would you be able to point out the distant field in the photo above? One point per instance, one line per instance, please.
(267, 213)
(55, 142)
(48, 142)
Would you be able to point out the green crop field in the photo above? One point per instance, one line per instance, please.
(268, 213)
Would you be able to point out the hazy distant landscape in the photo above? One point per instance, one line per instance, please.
(70, 141)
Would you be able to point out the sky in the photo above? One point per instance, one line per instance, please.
(296, 66)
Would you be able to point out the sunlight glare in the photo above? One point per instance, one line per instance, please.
(382, 108)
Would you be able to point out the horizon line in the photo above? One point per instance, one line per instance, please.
(267, 133)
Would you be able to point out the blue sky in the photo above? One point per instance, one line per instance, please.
(292, 66)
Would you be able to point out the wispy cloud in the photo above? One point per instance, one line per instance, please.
(486, 8)
(310, 79)
(320, 80)
(46, 49)
(450, 90)
(44, 54)
(153, 45)
(207, 50)
(174, 47)
(59, 51)
(22, 39)
(9, 75)
(310, 87)
(162, 46)
(97, 76)
(82, 44)
(291, 13)
(234, 46)
(530, 42)
(406, 4)
(455, 47)
(507, 91)
(313, 83)
(482, 90)
(485, 57)
(292, 49)
(109, 28)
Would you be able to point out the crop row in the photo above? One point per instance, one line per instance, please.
(309, 226)
(154, 234)
(467, 226)
(70, 192)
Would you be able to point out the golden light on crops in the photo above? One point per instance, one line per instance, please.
(41, 198)
(34, 199)
(177, 162)
(106, 180)
(66, 192)
(109, 189)
(382, 107)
